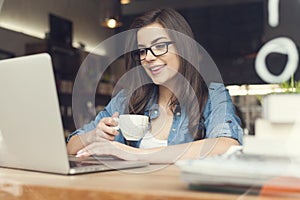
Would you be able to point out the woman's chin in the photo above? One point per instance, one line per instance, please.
(158, 81)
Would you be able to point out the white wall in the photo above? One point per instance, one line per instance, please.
(31, 17)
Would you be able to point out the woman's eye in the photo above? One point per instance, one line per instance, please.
(142, 51)
(159, 46)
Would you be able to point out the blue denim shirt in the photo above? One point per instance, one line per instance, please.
(219, 115)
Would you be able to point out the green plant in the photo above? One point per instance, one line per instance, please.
(291, 86)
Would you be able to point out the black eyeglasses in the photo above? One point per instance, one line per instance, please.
(157, 49)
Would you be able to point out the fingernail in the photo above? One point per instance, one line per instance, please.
(78, 155)
(116, 119)
(116, 127)
(82, 154)
(80, 151)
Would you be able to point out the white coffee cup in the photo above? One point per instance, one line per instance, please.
(133, 126)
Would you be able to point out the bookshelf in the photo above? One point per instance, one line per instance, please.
(250, 110)
(66, 63)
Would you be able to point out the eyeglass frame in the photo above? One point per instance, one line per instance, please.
(149, 49)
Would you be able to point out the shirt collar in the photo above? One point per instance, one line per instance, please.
(152, 108)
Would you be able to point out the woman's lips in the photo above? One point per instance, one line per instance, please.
(156, 69)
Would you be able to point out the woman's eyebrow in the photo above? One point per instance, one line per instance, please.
(154, 41)
(157, 39)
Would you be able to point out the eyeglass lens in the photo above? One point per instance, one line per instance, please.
(156, 49)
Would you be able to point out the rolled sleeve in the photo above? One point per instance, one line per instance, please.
(220, 117)
(117, 104)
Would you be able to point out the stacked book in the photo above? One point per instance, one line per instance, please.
(278, 132)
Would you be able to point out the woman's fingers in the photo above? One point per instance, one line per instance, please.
(105, 147)
(115, 115)
(103, 135)
(110, 121)
(106, 128)
(106, 132)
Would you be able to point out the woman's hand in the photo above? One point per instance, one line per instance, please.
(163, 155)
(105, 147)
(105, 130)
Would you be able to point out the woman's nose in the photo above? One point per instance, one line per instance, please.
(150, 56)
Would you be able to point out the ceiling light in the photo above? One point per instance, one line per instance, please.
(111, 23)
(111, 13)
(123, 2)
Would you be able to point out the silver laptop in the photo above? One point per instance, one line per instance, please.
(31, 130)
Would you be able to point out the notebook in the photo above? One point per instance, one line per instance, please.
(31, 130)
(236, 169)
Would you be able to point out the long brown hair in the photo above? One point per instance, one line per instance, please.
(171, 19)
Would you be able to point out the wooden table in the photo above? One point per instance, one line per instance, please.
(153, 182)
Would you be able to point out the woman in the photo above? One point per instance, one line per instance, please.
(188, 119)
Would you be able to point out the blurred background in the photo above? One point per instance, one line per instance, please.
(232, 32)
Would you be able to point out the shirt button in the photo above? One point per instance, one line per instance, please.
(155, 112)
(173, 129)
(178, 113)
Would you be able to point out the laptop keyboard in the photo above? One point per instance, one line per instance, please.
(89, 161)
(74, 164)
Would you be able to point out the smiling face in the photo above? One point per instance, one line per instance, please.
(161, 68)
